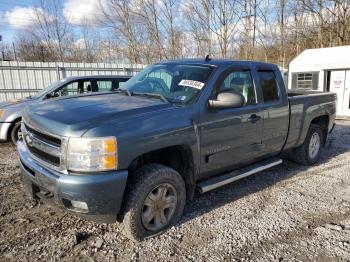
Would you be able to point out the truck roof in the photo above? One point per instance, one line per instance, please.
(219, 62)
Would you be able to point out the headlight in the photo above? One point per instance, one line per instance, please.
(92, 154)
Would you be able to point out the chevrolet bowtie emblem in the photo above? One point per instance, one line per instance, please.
(29, 139)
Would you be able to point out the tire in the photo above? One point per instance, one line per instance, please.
(304, 154)
(14, 132)
(147, 183)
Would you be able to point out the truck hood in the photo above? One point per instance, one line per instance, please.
(73, 116)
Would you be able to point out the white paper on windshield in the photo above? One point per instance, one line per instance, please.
(191, 83)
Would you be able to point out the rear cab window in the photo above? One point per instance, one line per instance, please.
(269, 86)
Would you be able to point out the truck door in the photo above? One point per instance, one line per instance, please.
(232, 136)
(276, 110)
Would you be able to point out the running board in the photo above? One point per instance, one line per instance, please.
(228, 178)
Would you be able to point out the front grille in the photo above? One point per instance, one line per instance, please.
(44, 137)
(45, 148)
(53, 160)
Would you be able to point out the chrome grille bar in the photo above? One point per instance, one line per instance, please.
(43, 149)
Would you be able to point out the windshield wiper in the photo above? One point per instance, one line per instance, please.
(123, 91)
(152, 95)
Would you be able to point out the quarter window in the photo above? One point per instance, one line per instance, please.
(240, 82)
(269, 86)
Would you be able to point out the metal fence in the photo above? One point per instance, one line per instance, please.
(22, 79)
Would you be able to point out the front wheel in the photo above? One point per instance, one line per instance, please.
(155, 201)
(16, 132)
(309, 152)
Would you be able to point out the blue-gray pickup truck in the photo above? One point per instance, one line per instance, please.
(175, 128)
(11, 112)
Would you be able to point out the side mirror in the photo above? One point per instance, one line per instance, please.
(227, 100)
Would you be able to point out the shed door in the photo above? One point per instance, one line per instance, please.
(337, 85)
(346, 100)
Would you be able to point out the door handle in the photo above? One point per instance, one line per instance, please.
(254, 118)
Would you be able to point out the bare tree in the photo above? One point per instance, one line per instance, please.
(33, 51)
(217, 22)
(51, 28)
(172, 34)
(119, 17)
(145, 31)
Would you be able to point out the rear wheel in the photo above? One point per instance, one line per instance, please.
(155, 201)
(309, 152)
(16, 132)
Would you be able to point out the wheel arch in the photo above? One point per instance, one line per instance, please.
(323, 122)
(178, 157)
(14, 122)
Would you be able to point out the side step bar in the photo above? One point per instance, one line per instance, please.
(228, 178)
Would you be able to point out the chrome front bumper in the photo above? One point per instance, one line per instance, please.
(102, 192)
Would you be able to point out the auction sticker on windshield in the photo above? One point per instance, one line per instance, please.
(191, 83)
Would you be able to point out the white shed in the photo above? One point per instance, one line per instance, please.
(323, 69)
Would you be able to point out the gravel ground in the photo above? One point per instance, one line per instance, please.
(290, 213)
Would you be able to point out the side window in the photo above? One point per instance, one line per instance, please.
(104, 85)
(75, 88)
(240, 82)
(269, 86)
(68, 90)
(87, 87)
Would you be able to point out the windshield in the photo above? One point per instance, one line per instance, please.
(175, 82)
(53, 86)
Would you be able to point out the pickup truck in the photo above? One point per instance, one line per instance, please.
(11, 112)
(176, 128)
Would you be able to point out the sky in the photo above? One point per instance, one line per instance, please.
(16, 15)
(6, 30)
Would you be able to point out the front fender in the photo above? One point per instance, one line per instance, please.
(146, 133)
(5, 127)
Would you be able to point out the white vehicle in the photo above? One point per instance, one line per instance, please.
(11, 112)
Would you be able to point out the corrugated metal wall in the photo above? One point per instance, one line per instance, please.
(22, 79)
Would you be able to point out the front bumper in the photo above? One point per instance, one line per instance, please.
(101, 192)
(4, 129)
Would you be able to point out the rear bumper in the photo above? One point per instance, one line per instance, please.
(4, 129)
(102, 193)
